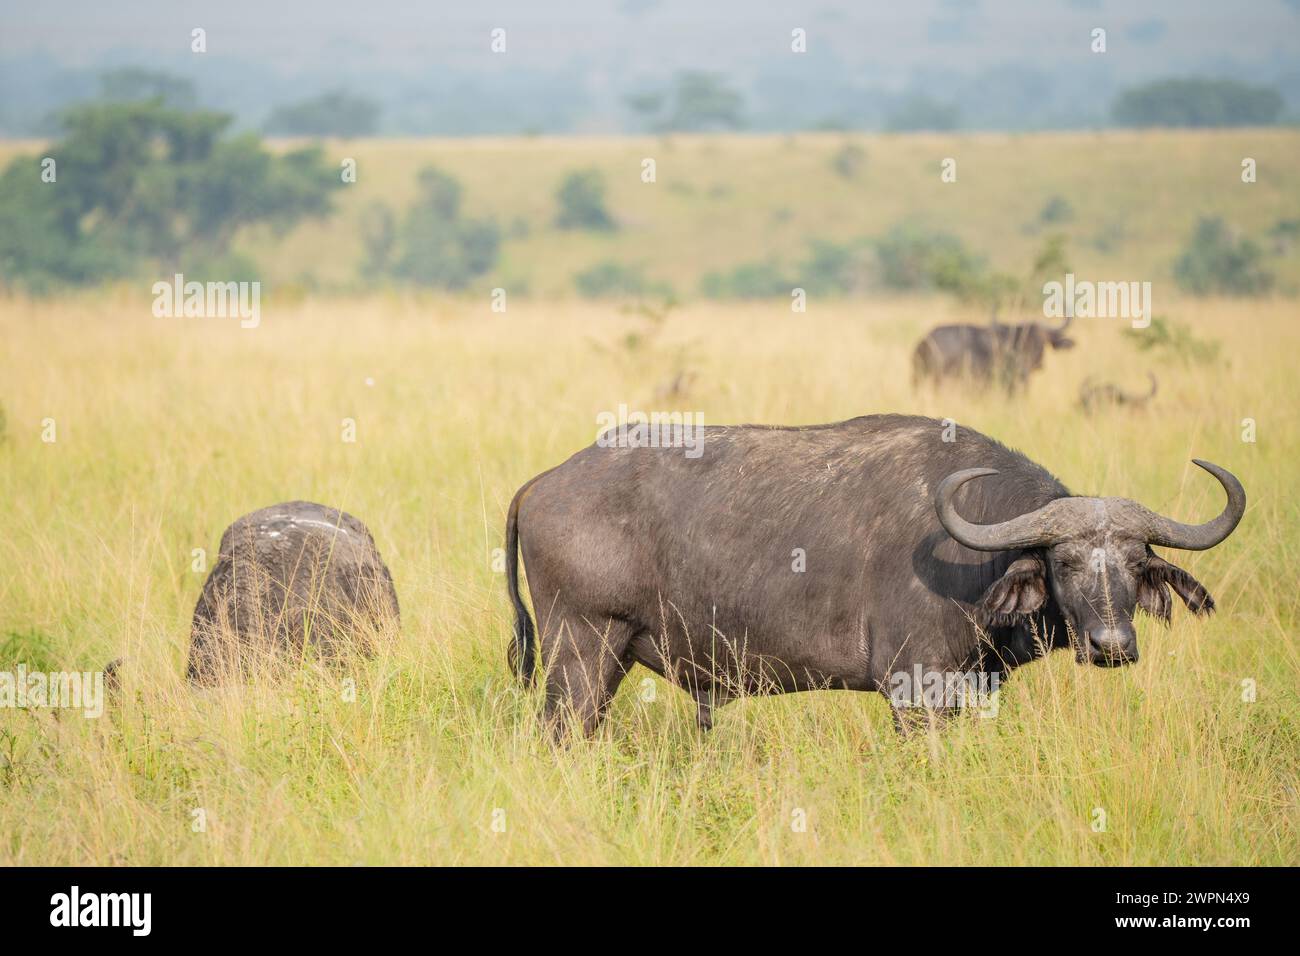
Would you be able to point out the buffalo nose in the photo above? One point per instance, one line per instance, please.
(1112, 646)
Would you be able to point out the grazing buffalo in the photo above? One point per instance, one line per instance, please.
(288, 574)
(830, 556)
(989, 354)
(1094, 397)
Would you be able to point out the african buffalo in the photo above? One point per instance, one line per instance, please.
(1094, 397)
(829, 556)
(292, 573)
(989, 354)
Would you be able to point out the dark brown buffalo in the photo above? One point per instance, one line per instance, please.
(690, 566)
(286, 575)
(1005, 355)
(1095, 397)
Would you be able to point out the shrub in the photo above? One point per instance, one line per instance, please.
(849, 160)
(1216, 261)
(581, 198)
(611, 279)
(749, 280)
(910, 258)
(1056, 210)
(833, 268)
(1175, 340)
(433, 245)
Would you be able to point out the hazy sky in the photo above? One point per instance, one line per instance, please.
(605, 48)
(894, 37)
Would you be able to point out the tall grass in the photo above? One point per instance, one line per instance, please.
(169, 429)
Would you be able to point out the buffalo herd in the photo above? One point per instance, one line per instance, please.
(780, 559)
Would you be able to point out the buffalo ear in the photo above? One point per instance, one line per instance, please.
(1159, 577)
(1021, 590)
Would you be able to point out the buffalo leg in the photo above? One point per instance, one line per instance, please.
(707, 700)
(584, 664)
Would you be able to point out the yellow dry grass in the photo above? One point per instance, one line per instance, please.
(168, 429)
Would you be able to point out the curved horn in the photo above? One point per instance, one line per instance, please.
(1030, 530)
(1152, 394)
(1199, 537)
(1069, 317)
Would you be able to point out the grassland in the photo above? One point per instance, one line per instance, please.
(168, 429)
(1134, 199)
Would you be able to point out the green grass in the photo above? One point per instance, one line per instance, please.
(169, 429)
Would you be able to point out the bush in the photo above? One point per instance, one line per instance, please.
(911, 259)
(749, 280)
(833, 268)
(612, 279)
(581, 198)
(433, 245)
(1174, 340)
(1056, 210)
(1215, 261)
(1284, 234)
(378, 239)
(849, 160)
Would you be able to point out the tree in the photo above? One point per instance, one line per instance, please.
(141, 185)
(331, 114)
(646, 105)
(612, 279)
(1197, 101)
(703, 101)
(581, 198)
(133, 83)
(697, 101)
(433, 245)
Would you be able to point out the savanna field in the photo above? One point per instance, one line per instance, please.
(170, 428)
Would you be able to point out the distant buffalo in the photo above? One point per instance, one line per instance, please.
(1095, 397)
(999, 354)
(831, 556)
(290, 574)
